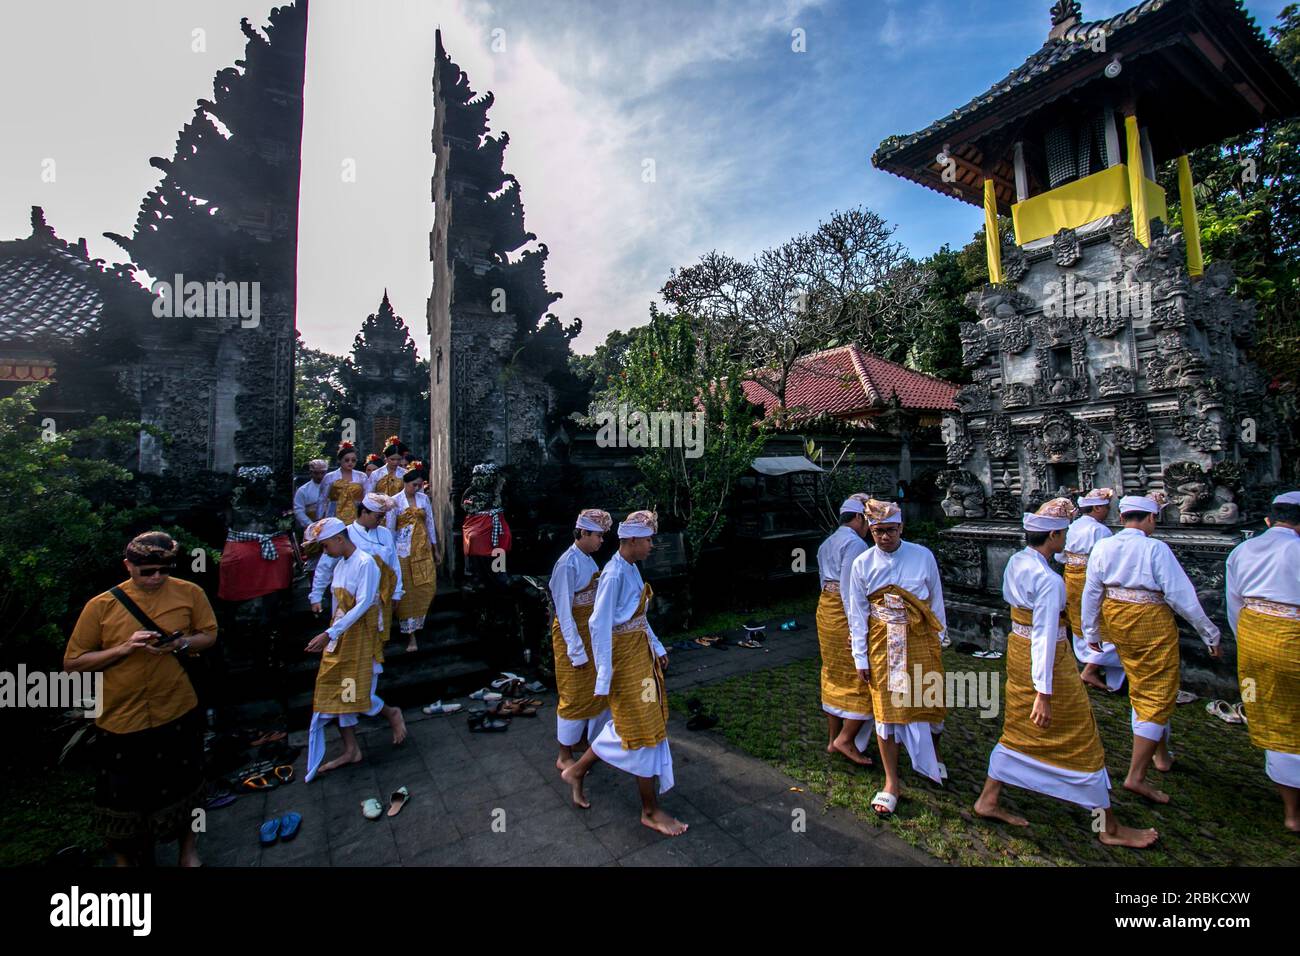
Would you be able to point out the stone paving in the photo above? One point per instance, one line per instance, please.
(490, 799)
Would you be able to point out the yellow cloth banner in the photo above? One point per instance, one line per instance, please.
(1083, 201)
(1191, 221)
(1136, 182)
(992, 241)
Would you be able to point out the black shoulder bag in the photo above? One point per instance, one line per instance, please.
(189, 664)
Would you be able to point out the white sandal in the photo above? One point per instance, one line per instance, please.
(884, 799)
(1223, 710)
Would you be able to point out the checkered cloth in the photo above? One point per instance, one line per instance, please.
(267, 541)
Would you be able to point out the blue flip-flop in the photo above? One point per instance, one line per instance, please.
(289, 825)
(269, 832)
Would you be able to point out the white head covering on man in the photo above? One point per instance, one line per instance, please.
(1054, 515)
(593, 519)
(639, 524)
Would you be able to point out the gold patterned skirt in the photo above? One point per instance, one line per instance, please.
(1268, 668)
(638, 704)
(842, 689)
(902, 636)
(1145, 636)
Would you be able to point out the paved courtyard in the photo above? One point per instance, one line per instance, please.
(489, 799)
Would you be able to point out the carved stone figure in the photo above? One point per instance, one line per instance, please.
(997, 437)
(1003, 504)
(1016, 335)
(1017, 395)
(974, 343)
(1116, 380)
(1133, 430)
(1190, 489)
(963, 494)
(1014, 263)
(975, 397)
(1065, 247)
(1057, 433)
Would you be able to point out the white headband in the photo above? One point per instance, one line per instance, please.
(852, 506)
(1138, 503)
(1288, 498)
(1033, 522)
(584, 523)
(1093, 502)
(322, 529)
(626, 530)
(377, 502)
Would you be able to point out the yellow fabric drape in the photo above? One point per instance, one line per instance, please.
(992, 242)
(1136, 182)
(1191, 221)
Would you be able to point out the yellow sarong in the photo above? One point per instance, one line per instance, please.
(1070, 741)
(1146, 638)
(914, 636)
(577, 688)
(1076, 576)
(841, 686)
(637, 702)
(343, 681)
(419, 573)
(389, 484)
(387, 588)
(1268, 654)
(346, 495)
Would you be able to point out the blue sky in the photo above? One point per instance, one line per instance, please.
(751, 142)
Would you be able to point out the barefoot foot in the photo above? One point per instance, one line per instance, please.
(342, 760)
(994, 811)
(1130, 837)
(1093, 679)
(846, 748)
(563, 763)
(665, 823)
(1144, 789)
(1163, 763)
(574, 780)
(398, 723)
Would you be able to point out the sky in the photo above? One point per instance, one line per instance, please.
(643, 134)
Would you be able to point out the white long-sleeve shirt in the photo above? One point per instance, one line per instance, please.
(572, 572)
(1084, 532)
(1266, 566)
(911, 567)
(835, 558)
(404, 536)
(618, 592)
(359, 576)
(1129, 559)
(378, 542)
(309, 495)
(1029, 582)
(372, 479)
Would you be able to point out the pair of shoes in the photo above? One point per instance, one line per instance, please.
(372, 809)
(1228, 713)
(283, 828)
(438, 707)
(486, 722)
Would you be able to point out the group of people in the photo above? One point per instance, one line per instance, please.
(881, 624)
(388, 514)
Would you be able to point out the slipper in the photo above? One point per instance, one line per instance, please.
(290, 823)
(943, 772)
(749, 642)
(1239, 709)
(260, 782)
(221, 800)
(707, 640)
(1185, 697)
(485, 695)
(535, 687)
(505, 678)
(1223, 710)
(269, 832)
(884, 799)
(438, 707)
(371, 809)
(397, 800)
(284, 773)
(487, 724)
(790, 626)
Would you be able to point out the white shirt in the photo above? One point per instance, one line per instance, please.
(1129, 559)
(618, 592)
(1084, 532)
(912, 567)
(308, 495)
(1266, 566)
(359, 576)
(1029, 582)
(835, 558)
(404, 536)
(329, 479)
(572, 572)
(379, 542)
(373, 478)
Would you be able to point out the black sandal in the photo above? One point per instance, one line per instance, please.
(487, 724)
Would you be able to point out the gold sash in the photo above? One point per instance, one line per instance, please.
(637, 700)
(577, 688)
(343, 681)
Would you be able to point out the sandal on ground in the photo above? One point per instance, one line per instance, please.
(290, 824)
(438, 707)
(269, 832)
(707, 640)
(268, 737)
(485, 695)
(260, 781)
(1223, 710)
(487, 724)
(1239, 709)
(506, 678)
(750, 643)
(535, 687)
(397, 800)
(284, 773)
(371, 809)
(1184, 697)
(884, 800)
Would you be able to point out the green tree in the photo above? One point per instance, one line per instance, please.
(675, 366)
(318, 401)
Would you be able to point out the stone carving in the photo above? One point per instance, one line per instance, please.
(1014, 263)
(960, 562)
(974, 343)
(1116, 380)
(1173, 365)
(1089, 452)
(1065, 247)
(1121, 232)
(1003, 504)
(1057, 432)
(963, 494)
(997, 437)
(1016, 395)
(998, 302)
(1016, 335)
(959, 449)
(1190, 489)
(1109, 315)
(1037, 462)
(1200, 419)
(976, 397)
(1132, 427)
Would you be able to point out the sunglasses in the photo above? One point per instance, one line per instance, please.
(153, 572)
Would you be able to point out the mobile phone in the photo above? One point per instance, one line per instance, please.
(162, 641)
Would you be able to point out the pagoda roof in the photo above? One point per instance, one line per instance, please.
(53, 294)
(1200, 71)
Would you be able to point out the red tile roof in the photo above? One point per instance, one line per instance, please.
(849, 382)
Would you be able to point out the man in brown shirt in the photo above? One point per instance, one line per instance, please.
(149, 705)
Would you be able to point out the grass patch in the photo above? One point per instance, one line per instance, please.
(1224, 810)
(46, 810)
